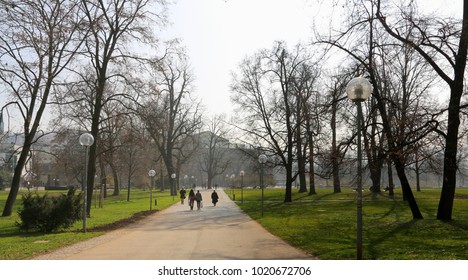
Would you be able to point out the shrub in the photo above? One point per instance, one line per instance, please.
(50, 213)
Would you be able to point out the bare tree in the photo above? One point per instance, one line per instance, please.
(335, 105)
(265, 93)
(362, 22)
(38, 39)
(69, 158)
(172, 115)
(213, 149)
(304, 89)
(131, 150)
(114, 26)
(443, 43)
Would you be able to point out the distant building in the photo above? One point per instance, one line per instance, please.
(10, 149)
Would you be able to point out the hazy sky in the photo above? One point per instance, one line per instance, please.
(218, 34)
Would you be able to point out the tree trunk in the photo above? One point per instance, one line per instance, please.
(456, 84)
(116, 180)
(391, 185)
(129, 182)
(312, 190)
(288, 192)
(301, 170)
(417, 171)
(447, 195)
(399, 166)
(96, 117)
(405, 186)
(335, 154)
(15, 184)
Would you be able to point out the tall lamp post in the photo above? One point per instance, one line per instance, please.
(173, 185)
(151, 174)
(233, 186)
(262, 159)
(86, 140)
(359, 90)
(242, 173)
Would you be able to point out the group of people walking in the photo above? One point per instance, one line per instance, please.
(197, 197)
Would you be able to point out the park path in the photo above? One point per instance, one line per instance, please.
(219, 232)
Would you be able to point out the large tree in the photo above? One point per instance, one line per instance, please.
(335, 105)
(115, 26)
(214, 148)
(172, 114)
(266, 93)
(361, 24)
(38, 40)
(443, 43)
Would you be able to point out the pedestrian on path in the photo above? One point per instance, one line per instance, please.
(191, 198)
(199, 199)
(182, 195)
(214, 197)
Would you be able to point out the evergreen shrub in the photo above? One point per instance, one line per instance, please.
(50, 213)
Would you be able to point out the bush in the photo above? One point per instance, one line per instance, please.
(50, 213)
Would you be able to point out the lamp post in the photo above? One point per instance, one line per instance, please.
(151, 174)
(173, 185)
(233, 186)
(358, 90)
(86, 140)
(262, 159)
(242, 173)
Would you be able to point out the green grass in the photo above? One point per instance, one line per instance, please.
(16, 245)
(325, 224)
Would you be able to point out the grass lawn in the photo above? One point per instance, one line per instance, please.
(21, 245)
(325, 224)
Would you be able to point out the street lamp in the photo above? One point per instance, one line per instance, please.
(173, 185)
(151, 174)
(262, 159)
(233, 186)
(86, 140)
(359, 90)
(242, 173)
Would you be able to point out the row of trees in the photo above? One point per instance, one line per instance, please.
(296, 107)
(89, 62)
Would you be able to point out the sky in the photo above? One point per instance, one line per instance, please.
(218, 34)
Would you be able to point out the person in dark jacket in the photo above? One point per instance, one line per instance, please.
(214, 198)
(191, 199)
(182, 195)
(198, 198)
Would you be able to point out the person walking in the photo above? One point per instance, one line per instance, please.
(198, 198)
(191, 199)
(182, 195)
(214, 197)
